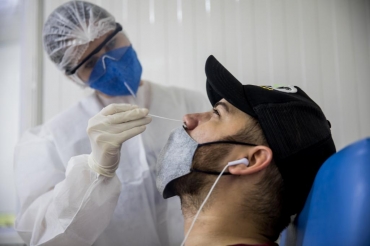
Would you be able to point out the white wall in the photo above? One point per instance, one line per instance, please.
(323, 46)
(10, 100)
(9, 130)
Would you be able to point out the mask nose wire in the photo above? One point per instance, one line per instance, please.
(201, 206)
(103, 60)
(152, 115)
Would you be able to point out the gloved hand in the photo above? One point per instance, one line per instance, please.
(107, 130)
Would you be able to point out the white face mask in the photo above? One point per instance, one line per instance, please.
(175, 161)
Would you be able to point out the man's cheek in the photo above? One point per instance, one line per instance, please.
(205, 135)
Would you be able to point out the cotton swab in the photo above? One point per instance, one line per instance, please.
(152, 115)
(160, 117)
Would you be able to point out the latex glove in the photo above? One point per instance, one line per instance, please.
(107, 130)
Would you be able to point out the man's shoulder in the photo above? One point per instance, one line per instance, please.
(267, 244)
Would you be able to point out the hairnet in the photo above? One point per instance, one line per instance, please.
(69, 29)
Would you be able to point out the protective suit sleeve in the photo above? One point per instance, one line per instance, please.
(60, 207)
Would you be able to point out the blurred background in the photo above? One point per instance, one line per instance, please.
(322, 46)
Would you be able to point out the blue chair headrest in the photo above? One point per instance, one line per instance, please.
(337, 210)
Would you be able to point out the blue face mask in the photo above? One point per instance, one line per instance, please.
(117, 72)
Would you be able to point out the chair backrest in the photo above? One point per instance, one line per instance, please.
(337, 210)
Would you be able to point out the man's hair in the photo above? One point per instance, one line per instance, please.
(267, 205)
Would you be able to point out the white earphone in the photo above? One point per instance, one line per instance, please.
(241, 161)
(231, 163)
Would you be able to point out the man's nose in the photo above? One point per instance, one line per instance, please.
(191, 121)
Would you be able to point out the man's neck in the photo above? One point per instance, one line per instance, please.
(219, 229)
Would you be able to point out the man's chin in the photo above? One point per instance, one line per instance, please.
(189, 189)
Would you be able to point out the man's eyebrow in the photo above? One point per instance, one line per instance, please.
(226, 107)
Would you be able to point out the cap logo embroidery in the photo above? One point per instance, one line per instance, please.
(281, 88)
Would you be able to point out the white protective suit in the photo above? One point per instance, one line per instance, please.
(63, 202)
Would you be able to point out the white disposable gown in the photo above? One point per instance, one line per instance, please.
(63, 202)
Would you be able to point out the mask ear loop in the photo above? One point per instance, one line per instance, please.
(130, 90)
(152, 115)
(201, 207)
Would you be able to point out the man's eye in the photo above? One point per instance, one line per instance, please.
(215, 111)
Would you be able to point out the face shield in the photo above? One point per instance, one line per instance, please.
(112, 67)
(113, 41)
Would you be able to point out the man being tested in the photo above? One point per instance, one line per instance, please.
(254, 156)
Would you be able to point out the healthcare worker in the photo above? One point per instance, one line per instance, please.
(87, 175)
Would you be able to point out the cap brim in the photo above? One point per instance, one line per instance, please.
(222, 84)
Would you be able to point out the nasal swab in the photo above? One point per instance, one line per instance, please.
(160, 117)
(152, 115)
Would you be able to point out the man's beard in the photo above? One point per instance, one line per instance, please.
(193, 187)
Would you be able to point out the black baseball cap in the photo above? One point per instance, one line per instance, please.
(294, 126)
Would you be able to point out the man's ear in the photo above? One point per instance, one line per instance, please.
(259, 158)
